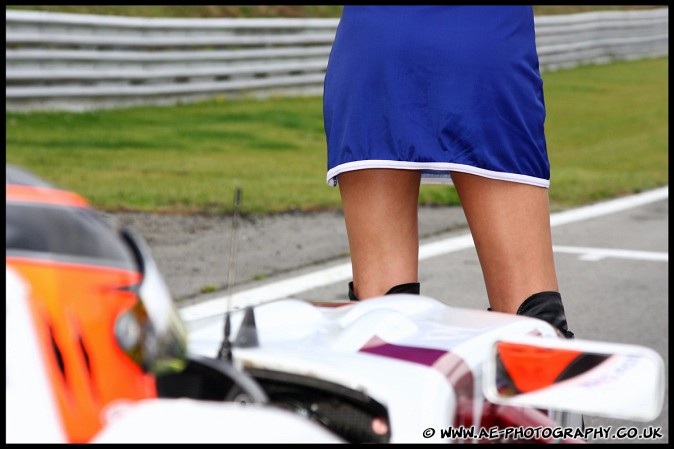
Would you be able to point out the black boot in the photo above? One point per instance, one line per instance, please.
(546, 306)
(412, 288)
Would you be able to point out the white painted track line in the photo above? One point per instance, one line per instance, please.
(340, 273)
(609, 207)
(594, 254)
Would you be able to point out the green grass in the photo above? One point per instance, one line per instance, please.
(607, 130)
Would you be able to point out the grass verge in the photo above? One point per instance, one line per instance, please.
(607, 130)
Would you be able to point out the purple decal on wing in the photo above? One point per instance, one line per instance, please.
(423, 356)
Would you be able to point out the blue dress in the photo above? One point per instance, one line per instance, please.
(436, 89)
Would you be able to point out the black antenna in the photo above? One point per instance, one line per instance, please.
(225, 352)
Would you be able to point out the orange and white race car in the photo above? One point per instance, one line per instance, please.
(96, 351)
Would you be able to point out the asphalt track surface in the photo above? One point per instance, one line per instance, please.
(611, 258)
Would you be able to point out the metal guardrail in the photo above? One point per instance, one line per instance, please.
(79, 62)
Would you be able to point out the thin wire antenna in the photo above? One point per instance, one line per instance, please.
(233, 246)
(225, 352)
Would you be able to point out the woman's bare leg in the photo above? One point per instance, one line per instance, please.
(510, 224)
(380, 212)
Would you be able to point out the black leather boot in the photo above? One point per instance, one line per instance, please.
(412, 288)
(546, 306)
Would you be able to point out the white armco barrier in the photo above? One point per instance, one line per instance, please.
(80, 62)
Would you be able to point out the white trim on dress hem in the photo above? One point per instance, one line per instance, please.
(426, 178)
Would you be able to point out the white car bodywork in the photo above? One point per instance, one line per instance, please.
(421, 359)
(429, 365)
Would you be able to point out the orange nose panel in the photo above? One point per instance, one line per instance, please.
(531, 368)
